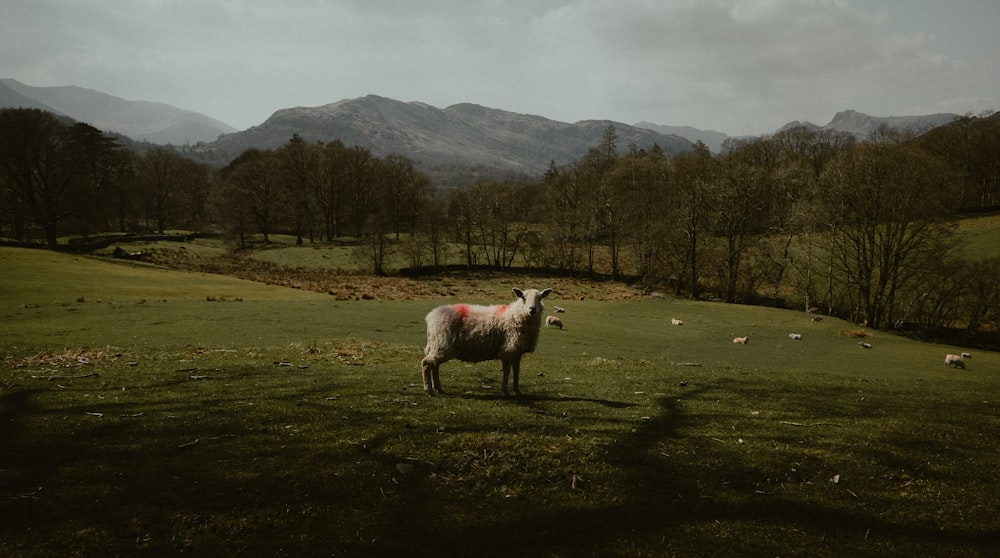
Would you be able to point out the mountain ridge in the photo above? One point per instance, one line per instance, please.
(464, 134)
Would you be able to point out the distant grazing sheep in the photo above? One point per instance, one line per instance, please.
(675, 321)
(558, 309)
(553, 321)
(817, 318)
(474, 333)
(795, 336)
(741, 340)
(966, 355)
(955, 360)
(864, 345)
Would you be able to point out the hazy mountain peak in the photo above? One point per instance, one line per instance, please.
(801, 124)
(712, 139)
(140, 120)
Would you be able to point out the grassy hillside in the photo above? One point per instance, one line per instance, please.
(980, 236)
(151, 412)
(36, 277)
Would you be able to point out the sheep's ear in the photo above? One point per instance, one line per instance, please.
(546, 292)
(517, 292)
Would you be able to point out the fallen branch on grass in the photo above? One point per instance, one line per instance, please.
(30, 494)
(65, 376)
(196, 441)
(810, 424)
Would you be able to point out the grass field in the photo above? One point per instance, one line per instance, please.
(149, 412)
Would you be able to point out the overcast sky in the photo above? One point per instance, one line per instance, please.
(735, 66)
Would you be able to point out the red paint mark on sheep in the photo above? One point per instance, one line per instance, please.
(500, 309)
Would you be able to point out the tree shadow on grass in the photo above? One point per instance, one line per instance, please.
(533, 400)
(296, 474)
(676, 507)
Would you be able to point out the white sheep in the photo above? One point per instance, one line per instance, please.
(795, 336)
(675, 321)
(742, 340)
(558, 309)
(954, 360)
(864, 345)
(966, 355)
(474, 333)
(553, 321)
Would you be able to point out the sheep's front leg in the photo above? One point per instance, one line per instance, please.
(506, 375)
(516, 365)
(511, 363)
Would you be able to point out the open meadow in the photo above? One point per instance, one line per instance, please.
(150, 412)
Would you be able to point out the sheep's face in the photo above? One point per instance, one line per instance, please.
(532, 299)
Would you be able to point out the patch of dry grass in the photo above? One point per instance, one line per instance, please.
(69, 358)
(855, 333)
(346, 285)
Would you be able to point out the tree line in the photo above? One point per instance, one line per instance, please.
(806, 219)
(59, 178)
(800, 218)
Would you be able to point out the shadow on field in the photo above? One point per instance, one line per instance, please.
(178, 466)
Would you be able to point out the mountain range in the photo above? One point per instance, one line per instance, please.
(860, 125)
(464, 138)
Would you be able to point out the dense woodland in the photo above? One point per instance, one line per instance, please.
(802, 219)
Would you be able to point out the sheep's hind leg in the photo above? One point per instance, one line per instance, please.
(432, 380)
(437, 380)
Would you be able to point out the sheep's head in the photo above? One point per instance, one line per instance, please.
(532, 299)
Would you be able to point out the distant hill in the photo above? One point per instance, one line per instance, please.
(713, 140)
(861, 125)
(10, 98)
(140, 120)
(858, 124)
(465, 135)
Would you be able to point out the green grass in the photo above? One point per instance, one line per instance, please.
(152, 412)
(38, 278)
